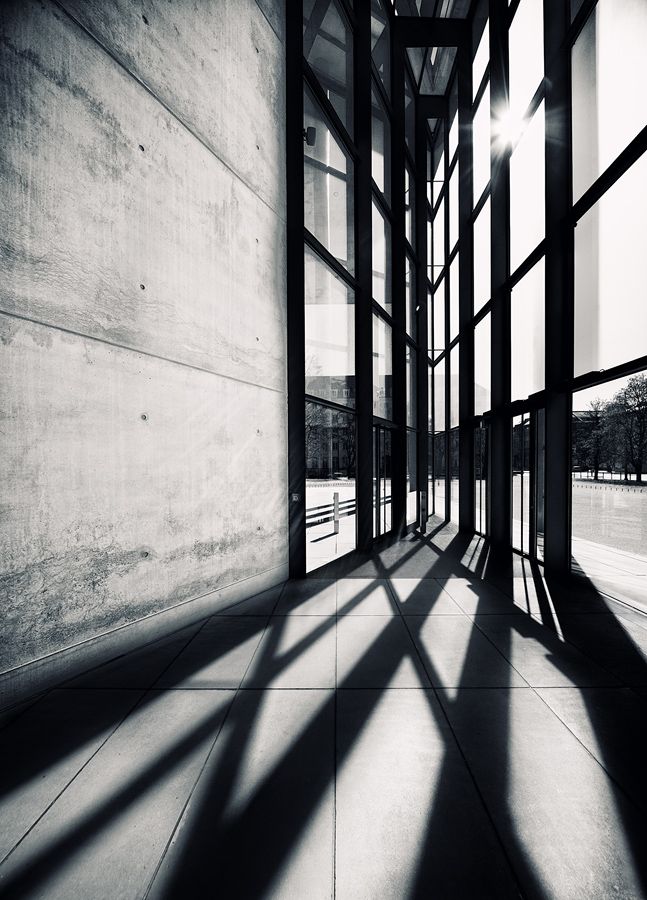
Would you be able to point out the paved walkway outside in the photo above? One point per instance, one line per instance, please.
(399, 728)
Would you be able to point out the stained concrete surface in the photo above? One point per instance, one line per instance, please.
(142, 311)
(375, 754)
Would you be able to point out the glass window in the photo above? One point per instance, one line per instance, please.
(453, 298)
(527, 191)
(440, 419)
(453, 208)
(330, 484)
(328, 48)
(430, 270)
(609, 63)
(439, 319)
(382, 369)
(482, 366)
(481, 59)
(430, 399)
(440, 473)
(481, 145)
(439, 168)
(521, 483)
(453, 473)
(528, 334)
(381, 43)
(409, 115)
(453, 137)
(410, 298)
(453, 383)
(610, 282)
(439, 239)
(412, 417)
(328, 187)
(329, 333)
(381, 146)
(409, 206)
(482, 257)
(381, 237)
(412, 478)
(526, 45)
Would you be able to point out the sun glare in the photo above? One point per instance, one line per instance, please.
(507, 128)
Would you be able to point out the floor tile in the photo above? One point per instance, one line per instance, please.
(259, 605)
(539, 655)
(610, 722)
(473, 596)
(218, 655)
(563, 822)
(42, 751)
(409, 821)
(364, 597)
(377, 652)
(260, 823)
(423, 596)
(139, 668)
(308, 597)
(457, 654)
(296, 652)
(106, 833)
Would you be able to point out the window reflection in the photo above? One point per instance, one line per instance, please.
(381, 237)
(381, 147)
(328, 47)
(411, 367)
(382, 369)
(381, 43)
(410, 298)
(329, 333)
(412, 478)
(328, 187)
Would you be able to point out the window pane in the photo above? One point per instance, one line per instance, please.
(410, 298)
(440, 423)
(453, 137)
(430, 270)
(382, 369)
(453, 382)
(521, 483)
(328, 187)
(409, 115)
(528, 334)
(380, 43)
(610, 282)
(381, 236)
(527, 191)
(439, 168)
(412, 478)
(481, 145)
(453, 208)
(526, 54)
(430, 399)
(409, 206)
(453, 298)
(330, 484)
(453, 473)
(481, 59)
(439, 239)
(381, 147)
(609, 64)
(482, 366)
(328, 47)
(482, 251)
(412, 393)
(439, 319)
(440, 473)
(329, 333)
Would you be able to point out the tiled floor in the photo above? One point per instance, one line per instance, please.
(403, 730)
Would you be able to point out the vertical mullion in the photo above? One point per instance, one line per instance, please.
(466, 513)
(559, 291)
(399, 437)
(500, 498)
(363, 306)
(422, 367)
(295, 293)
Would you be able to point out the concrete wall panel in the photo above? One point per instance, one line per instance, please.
(211, 63)
(112, 515)
(142, 429)
(89, 217)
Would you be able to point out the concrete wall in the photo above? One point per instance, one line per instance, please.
(142, 312)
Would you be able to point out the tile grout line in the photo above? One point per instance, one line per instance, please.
(468, 768)
(127, 714)
(178, 821)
